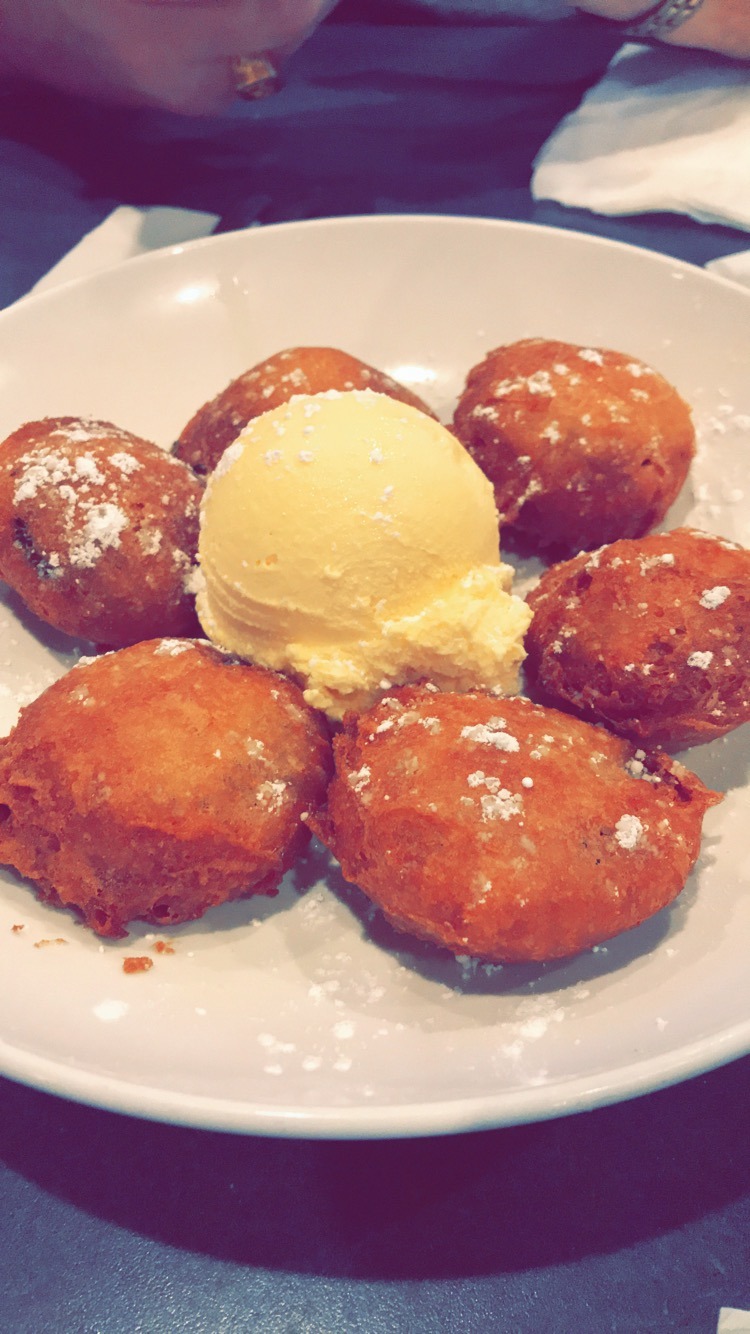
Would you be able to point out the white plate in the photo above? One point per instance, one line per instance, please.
(299, 1016)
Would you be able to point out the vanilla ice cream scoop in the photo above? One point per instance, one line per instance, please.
(349, 540)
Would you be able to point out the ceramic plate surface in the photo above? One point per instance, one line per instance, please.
(300, 1015)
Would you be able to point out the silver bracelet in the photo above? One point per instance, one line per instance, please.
(664, 18)
(657, 21)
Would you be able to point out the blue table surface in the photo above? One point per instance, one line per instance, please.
(634, 1218)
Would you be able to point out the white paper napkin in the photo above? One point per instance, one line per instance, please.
(736, 267)
(124, 233)
(731, 1319)
(664, 130)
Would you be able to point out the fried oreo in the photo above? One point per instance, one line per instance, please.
(582, 445)
(650, 636)
(99, 530)
(158, 781)
(296, 370)
(504, 830)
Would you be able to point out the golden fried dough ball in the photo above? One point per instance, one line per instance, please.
(99, 530)
(158, 781)
(650, 636)
(582, 445)
(504, 830)
(296, 370)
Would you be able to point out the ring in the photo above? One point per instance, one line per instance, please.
(255, 77)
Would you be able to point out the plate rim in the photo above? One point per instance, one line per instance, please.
(374, 220)
(381, 1121)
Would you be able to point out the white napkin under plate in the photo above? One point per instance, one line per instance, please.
(124, 233)
(736, 267)
(733, 1321)
(665, 130)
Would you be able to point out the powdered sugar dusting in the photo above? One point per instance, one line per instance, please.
(629, 832)
(125, 463)
(172, 648)
(492, 733)
(711, 598)
(41, 469)
(271, 794)
(101, 530)
(497, 803)
(360, 779)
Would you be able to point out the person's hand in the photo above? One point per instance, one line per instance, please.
(717, 25)
(174, 54)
